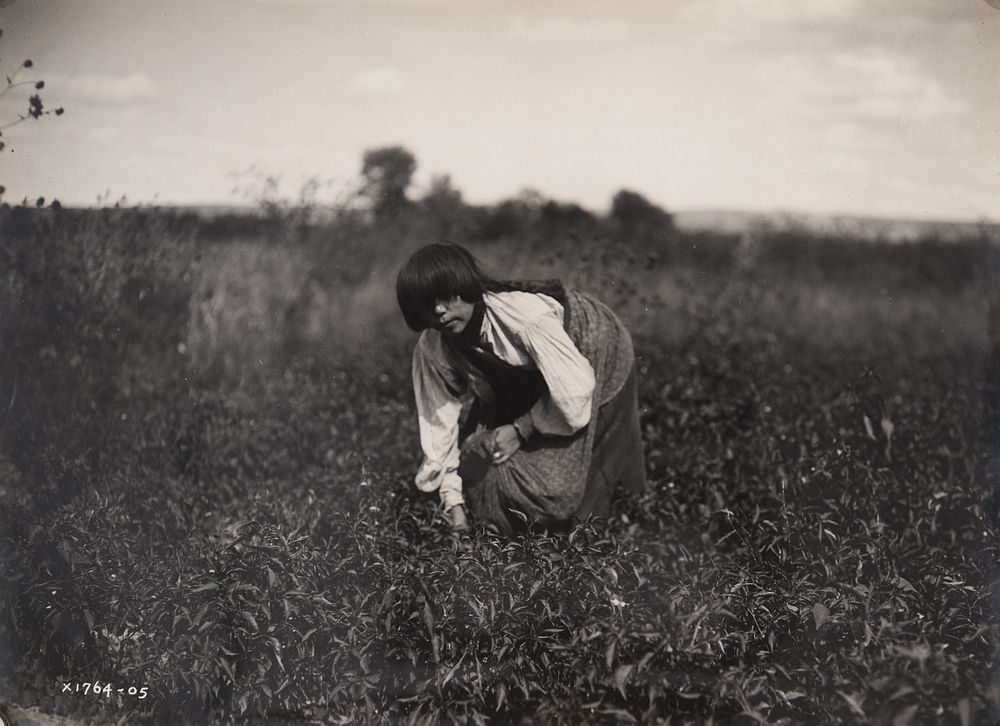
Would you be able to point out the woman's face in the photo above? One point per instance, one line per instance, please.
(450, 316)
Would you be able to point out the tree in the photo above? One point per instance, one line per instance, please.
(565, 216)
(633, 212)
(513, 217)
(445, 209)
(388, 172)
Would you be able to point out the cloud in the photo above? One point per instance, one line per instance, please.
(283, 3)
(891, 87)
(872, 85)
(741, 13)
(328, 3)
(103, 88)
(868, 115)
(791, 79)
(378, 82)
(761, 24)
(569, 31)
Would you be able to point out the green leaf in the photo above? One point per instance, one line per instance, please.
(821, 614)
(965, 712)
(228, 668)
(905, 584)
(450, 674)
(852, 701)
(621, 676)
(791, 695)
(905, 717)
(250, 619)
(619, 713)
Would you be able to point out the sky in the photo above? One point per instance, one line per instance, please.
(869, 107)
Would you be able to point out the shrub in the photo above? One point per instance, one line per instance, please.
(96, 306)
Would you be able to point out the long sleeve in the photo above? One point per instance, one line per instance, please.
(566, 408)
(439, 393)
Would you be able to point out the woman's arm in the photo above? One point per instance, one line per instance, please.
(566, 408)
(439, 393)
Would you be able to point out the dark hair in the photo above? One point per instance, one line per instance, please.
(437, 271)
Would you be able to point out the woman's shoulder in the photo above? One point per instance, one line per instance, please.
(518, 309)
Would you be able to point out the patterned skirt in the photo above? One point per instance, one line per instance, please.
(553, 481)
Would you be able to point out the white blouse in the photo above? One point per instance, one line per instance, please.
(523, 329)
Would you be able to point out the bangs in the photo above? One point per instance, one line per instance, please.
(436, 272)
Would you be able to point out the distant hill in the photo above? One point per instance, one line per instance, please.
(877, 229)
(212, 211)
(873, 228)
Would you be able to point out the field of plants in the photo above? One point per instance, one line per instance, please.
(207, 515)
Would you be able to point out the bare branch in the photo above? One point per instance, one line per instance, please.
(14, 84)
(14, 123)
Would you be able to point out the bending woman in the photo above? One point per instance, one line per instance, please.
(546, 379)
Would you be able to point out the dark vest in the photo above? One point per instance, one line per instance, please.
(516, 389)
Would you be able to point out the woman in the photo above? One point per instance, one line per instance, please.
(546, 377)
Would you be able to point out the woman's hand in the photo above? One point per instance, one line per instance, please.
(506, 442)
(458, 521)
